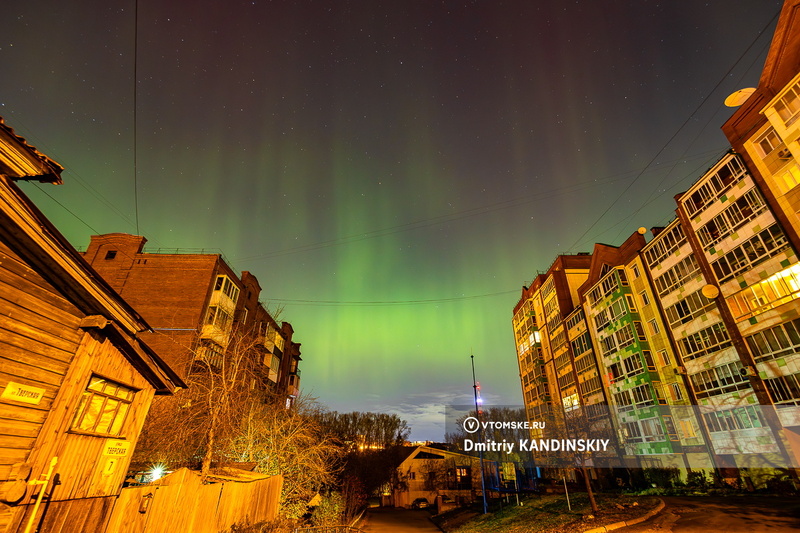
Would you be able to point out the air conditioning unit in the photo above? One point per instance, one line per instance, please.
(747, 371)
(679, 370)
(784, 154)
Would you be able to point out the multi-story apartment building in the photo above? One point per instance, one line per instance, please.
(661, 275)
(692, 332)
(195, 304)
(632, 378)
(745, 259)
(535, 392)
(557, 362)
(764, 131)
(697, 334)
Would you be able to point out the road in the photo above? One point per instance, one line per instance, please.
(735, 514)
(399, 521)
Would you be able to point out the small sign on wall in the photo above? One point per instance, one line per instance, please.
(110, 465)
(116, 448)
(22, 393)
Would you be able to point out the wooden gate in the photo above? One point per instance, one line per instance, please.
(182, 502)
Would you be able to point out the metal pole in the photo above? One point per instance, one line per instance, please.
(480, 432)
(43, 483)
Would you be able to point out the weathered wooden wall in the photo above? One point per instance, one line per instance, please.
(43, 346)
(184, 503)
(39, 336)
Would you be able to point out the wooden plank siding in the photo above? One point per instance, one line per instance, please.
(182, 502)
(87, 515)
(61, 324)
(80, 455)
(42, 345)
(38, 338)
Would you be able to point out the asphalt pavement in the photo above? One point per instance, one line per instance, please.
(733, 514)
(384, 520)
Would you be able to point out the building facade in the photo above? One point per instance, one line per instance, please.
(76, 378)
(197, 306)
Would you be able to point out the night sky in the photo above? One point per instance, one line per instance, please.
(393, 172)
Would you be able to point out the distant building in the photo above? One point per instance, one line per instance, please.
(438, 476)
(76, 378)
(546, 360)
(194, 303)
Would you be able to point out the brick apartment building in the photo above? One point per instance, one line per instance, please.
(696, 333)
(194, 303)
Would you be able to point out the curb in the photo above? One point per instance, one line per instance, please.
(617, 525)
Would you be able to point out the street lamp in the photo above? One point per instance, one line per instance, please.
(475, 388)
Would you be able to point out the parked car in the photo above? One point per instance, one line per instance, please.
(419, 503)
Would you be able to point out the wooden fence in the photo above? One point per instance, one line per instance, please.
(182, 502)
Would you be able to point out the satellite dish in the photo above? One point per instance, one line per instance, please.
(739, 97)
(642, 230)
(710, 291)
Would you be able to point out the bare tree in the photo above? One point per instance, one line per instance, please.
(292, 443)
(195, 426)
(358, 431)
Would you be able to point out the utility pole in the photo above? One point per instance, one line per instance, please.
(480, 432)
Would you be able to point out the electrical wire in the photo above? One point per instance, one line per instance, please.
(436, 301)
(674, 135)
(135, 113)
(64, 207)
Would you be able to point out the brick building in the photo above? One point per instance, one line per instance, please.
(194, 303)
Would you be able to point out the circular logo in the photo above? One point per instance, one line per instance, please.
(471, 425)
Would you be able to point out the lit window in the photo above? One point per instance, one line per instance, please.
(687, 428)
(227, 287)
(274, 367)
(676, 392)
(103, 407)
(788, 107)
(769, 293)
(219, 317)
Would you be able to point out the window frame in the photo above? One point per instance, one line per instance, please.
(119, 414)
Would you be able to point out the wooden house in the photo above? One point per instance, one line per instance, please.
(434, 474)
(75, 380)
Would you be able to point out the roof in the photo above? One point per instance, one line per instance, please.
(21, 161)
(31, 236)
(428, 452)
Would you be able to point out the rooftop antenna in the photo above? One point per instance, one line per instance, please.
(739, 97)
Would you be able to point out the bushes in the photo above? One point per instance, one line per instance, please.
(662, 477)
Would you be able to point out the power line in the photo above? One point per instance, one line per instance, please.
(135, 113)
(338, 303)
(674, 135)
(64, 207)
(692, 175)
